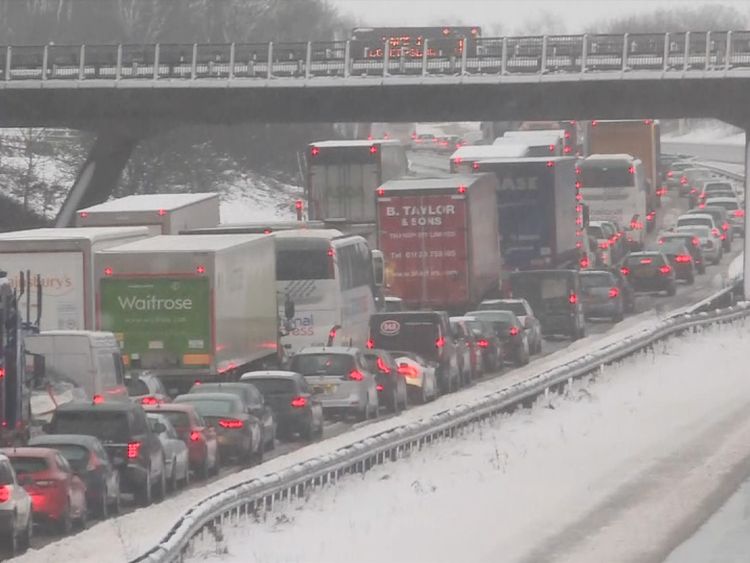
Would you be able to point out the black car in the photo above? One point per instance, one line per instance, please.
(601, 295)
(133, 449)
(89, 460)
(693, 245)
(427, 333)
(253, 399)
(553, 296)
(489, 343)
(510, 331)
(296, 409)
(650, 272)
(679, 258)
(390, 385)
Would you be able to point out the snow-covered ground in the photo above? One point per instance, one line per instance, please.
(711, 132)
(617, 470)
(252, 197)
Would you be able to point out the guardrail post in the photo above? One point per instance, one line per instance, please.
(543, 60)
(464, 56)
(308, 60)
(686, 62)
(231, 60)
(45, 58)
(728, 53)
(8, 61)
(82, 63)
(118, 67)
(625, 53)
(665, 62)
(424, 57)
(347, 59)
(504, 57)
(269, 69)
(156, 61)
(707, 63)
(194, 62)
(584, 51)
(386, 57)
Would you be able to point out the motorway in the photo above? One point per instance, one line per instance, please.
(425, 164)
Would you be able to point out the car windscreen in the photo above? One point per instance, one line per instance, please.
(273, 386)
(26, 465)
(108, 426)
(514, 307)
(673, 246)
(416, 336)
(136, 387)
(213, 407)
(607, 175)
(323, 364)
(589, 281)
(698, 221)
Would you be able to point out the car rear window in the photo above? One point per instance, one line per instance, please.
(728, 205)
(322, 364)
(589, 281)
(106, 425)
(273, 386)
(180, 420)
(596, 232)
(698, 221)
(645, 260)
(415, 336)
(213, 407)
(136, 387)
(514, 307)
(672, 246)
(498, 320)
(26, 465)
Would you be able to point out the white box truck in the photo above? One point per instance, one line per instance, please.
(64, 258)
(191, 308)
(163, 214)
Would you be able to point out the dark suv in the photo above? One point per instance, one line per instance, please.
(131, 445)
(427, 333)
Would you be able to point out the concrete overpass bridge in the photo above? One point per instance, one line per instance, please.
(126, 92)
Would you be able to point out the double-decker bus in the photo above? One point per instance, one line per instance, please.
(409, 42)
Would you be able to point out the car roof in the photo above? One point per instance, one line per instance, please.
(645, 253)
(509, 301)
(217, 396)
(693, 215)
(77, 406)
(220, 384)
(278, 374)
(75, 439)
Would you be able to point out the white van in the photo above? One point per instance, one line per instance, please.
(87, 363)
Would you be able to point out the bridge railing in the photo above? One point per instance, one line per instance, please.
(667, 52)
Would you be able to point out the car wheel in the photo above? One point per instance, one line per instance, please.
(103, 508)
(617, 317)
(172, 482)
(395, 406)
(115, 509)
(702, 269)
(204, 470)
(186, 479)
(217, 463)
(145, 495)
(271, 445)
(161, 488)
(65, 523)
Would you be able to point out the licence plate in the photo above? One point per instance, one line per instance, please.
(645, 273)
(328, 389)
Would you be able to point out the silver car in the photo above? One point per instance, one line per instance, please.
(734, 209)
(176, 457)
(339, 376)
(710, 242)
(525, 314)
(15, 511)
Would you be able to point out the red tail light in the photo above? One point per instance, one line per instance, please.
(584, 262)
(379, 387)
(370, 343)
(475, 165)
(552, 148)
(83, 214)
(408, 371)
(462, 189)
(231, 423)
(572, 299)
(356, 375)
(701, 205)
(150, 401)
(382, 366)
(374, 149)
(613, 292)
(298, 402)
(636, 225)
(513, 331)
(696, 241)
(98, 399)
(631, 169)
(483, 343)
(725, 227)
(651, 216)
(739, 213)
(440, 342)
(457, 160)
(134, 448)
(665, 269)
(314, 151)
(380, 192)
(670, 174)
(683, 180)
(693, 190)
(625, 271)
(195, 436)
(550, 164)
(2, 373)
(683, 259)
(604, 245)
(5, 492)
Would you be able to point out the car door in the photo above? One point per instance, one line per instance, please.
(108, 474)
(75, 485)
(258, 408)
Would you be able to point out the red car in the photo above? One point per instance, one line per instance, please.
(58, 496)
(200, 438)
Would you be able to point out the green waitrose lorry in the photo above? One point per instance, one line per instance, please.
(187, 309)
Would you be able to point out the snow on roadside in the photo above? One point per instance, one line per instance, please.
(490, 495)
(720, 134)
(252, 197)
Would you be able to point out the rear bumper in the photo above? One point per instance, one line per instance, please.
(603, 309)
(7, 522)
(558, 324)
(133, 477)
(683, 271)
(655, 284)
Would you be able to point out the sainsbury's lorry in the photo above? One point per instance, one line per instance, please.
(162, 214)
(439, 241)
(189, 308)
(64, 260)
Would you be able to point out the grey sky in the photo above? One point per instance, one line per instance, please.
(508, 15)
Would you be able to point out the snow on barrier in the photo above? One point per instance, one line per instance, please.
(200, 529)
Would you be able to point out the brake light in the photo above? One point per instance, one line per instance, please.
(408, 371)
(231, 423)
(636, 225)
(195, 436)
(646, 261)
(670, 174)
(149, 401)
(625, 271)
(382, 367)
(379, 387)
(513, 331)
(356, 375)
(552, 148)
(579, 185)
(5, 492)
(2, 373)
(457, 160)
(380, 191)
(651, 216)
(604, 245)
(665, 269)
(696, 241)
(683, 259)
(332, 334)
(483, 343)
(568, 149)
(298, 402)
(715, 232)
(370, 343)
(475, 165)
(572, 299)
(739, 213)
(83, 214)
(613, 292)
(631, 169)
(462, 189)
(314, 151)
(162, 212)
(440, 342)
(584, 262)
(98, 399)
(550, 164)
(725, 226)
(683, 180)
(108, 271)
(134, 449)
(374, 149)
(693, 190)
(702, 205)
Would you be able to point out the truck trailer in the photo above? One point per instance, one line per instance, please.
(64, 260)
(163, 214)
(189, 308)
(439, 237)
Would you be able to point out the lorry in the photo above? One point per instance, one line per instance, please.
(537, 211)
(191, 308)
(162, 214)
(440, 245)
(342, 177)
(64, 260)
(540, 142)
(639, 138)
(463, 160)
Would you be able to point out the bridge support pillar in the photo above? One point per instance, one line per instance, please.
(99, 175)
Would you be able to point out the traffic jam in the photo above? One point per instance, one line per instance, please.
(187, 347)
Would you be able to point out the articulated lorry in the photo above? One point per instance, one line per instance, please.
(537, 211)
(64, 261)
(439, 237)
(162, 214)
(189, 308)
